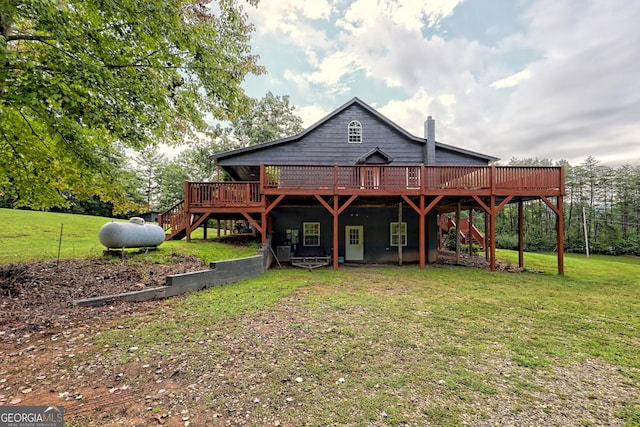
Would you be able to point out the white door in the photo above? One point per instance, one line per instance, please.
(354, 243)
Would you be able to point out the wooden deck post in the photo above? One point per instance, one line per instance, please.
(187, 208)
(492, 238)
(560, 236)
(422, 252)
(492, 219)
(336, 242)
(487, 236)
(421, 231)
(560, 224)
(520, 233)
(457, 233)
(469, 228)
(400, 234)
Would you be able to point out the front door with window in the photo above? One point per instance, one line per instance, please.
(354, 243)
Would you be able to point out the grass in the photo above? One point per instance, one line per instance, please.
(33, 235)
(397, 346)
(381, 345)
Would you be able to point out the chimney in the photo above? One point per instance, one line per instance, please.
(430, 136)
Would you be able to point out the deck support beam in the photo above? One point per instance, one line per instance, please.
(336, 231)
(335, 210)
(557, 208)
(492, 210)
(520, 233)
(422, 211)
(492, 234)
(400, 233)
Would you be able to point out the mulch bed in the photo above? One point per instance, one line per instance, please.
(38, 296)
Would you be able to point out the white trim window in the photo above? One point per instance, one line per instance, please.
(398, 233)
(311, 233)
(354, 132)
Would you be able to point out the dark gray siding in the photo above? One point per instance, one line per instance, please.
(376, 223)
(327, 144)
(445, 157)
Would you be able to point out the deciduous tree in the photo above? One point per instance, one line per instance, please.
(78, 77)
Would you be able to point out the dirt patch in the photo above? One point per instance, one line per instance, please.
(36, 297)
(42, 333)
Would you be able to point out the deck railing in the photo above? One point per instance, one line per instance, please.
(369, 179)
(529, 177)
(207, 194)
(174, 218)
(413, 177)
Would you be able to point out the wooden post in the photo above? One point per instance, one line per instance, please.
(421, 237)
(400, 234)
(520, 233)
(335, 232)
(487, 235)
(492, 220)
(457, 233)
(469, 232)
(187, 202)
(560, 236)
(421, 227)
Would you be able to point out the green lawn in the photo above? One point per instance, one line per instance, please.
(34, 235)
(372, 345)
(400, 346)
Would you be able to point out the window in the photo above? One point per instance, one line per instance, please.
(354, 236)
(354, 132)
(311, 233)
(398, 233)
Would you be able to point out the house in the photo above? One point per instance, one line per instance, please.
(357, 187)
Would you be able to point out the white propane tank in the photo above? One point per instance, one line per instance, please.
(132, 234)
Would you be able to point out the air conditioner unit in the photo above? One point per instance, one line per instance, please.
(283, 253)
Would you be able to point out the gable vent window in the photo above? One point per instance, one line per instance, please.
(354, 131)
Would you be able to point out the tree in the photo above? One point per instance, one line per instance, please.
(195, 160)
(170, 180)
(270, 118)
(149, 162)
(78, 77)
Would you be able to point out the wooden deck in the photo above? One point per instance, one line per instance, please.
(377, 180)
(422, 187)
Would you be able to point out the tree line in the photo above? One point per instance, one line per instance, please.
(601, 211)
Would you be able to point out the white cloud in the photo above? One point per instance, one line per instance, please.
(311, 114)
(584, 91)
(512, 80)
(316, 9)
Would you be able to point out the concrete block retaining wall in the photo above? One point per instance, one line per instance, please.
(219, 273)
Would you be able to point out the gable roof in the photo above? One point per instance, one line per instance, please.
(365, 106)
(376, 152)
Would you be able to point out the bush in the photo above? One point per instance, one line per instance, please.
(507, 241)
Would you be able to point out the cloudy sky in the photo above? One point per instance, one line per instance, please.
(557, 79)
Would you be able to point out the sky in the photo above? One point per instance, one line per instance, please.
(547, 79)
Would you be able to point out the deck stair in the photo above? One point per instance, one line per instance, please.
(467, 235)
